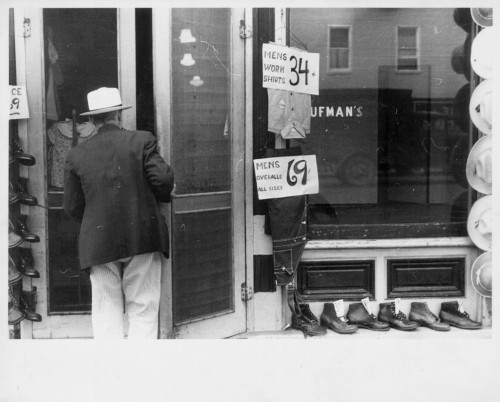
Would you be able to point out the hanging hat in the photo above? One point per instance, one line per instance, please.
(480, 223)
(482, 16)
(478, 169)
(481, 275)
(480, 106)
(461, 108)
(483, 53)
(458, 60)
(104, 100)
(463, 18)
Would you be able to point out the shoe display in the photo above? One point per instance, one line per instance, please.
(24, 231)
(387, 313)
(28, 305)
(14, 275)
(21, 187)
(451, 313)
(13, 194)
(329, 319)
(307, 322)
(26, 265)
(14, 239)
(421, 314)
(22, 157)
(359, 315)
(15, 314)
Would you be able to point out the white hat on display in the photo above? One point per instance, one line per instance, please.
(479, 166)
(482, 16)
(482, 54)
(481, 275)
(104, 100)
(480, 223)
(480, 106)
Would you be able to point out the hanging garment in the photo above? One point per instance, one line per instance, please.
(55, 79)
(60, 137)
(290, 112)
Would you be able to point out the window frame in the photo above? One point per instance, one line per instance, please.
(347, 70)
(418, 51)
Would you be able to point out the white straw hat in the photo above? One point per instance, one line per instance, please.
(480, 223)
(479, 165)
(483, 52)
(480, 106)
(104, 100)
(482, 16)
(481, 275)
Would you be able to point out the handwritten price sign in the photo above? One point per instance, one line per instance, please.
(18, 103)
(286, 176)
(290, 69)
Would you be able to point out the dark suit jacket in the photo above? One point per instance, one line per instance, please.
(112, 183)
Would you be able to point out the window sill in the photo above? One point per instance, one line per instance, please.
(389, 243)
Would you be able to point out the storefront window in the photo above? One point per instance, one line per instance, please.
(80, 56)
(390, 124)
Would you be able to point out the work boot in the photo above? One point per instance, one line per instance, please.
(22, 157)
(14, 275)
(28, 305)
(14, 239)
(24, 197)
(358, 315)
(307, 322)
(329, 319)
(15, 314)
(452, 314)
(26, 263)
(24, 231)
(13, 194)
(387, 313)
(421, 314)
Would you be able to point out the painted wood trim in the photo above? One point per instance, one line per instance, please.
(389, 243)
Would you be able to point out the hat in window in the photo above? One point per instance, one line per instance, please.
(478, 168)
(481, 275)
(104, 100)
(483, 53)
(480, 223)
(482, 16)
(480, 106)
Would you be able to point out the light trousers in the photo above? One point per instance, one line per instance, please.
(131, 286)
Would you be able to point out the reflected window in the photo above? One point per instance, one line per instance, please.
(339, 48)
(407, 48)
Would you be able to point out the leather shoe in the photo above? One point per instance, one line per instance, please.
(307, 322)
(14, 275)
(421, 314)
(14, 239)
(28, 305)
(21, 186)
(358, 315)
(26, 264)
(24, 231)
(22, 157)
(451, 314)
(15, 314)
(387, 313)
(13, 194)
(329, 319)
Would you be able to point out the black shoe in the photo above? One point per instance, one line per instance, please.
(26, 265)
(13, 194)
(24, 231)
(14, 275)
(421, 314)
(329, 319)
(307, 322)
(14, 239)
(358, 315)
(21, 186)
(387, 313)
(22, 157)
(451, 314)
(28, 305)
(15, 314)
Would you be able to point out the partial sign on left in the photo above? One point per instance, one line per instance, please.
(18, 102)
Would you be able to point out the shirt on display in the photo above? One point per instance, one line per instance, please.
(289, 112)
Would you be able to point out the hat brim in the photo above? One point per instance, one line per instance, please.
(476, 182)
(480, 19)
(477, 265)
(482, 46)
(105, 110)
(478, 95)
(481, 241)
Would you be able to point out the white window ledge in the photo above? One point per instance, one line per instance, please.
(390, 243)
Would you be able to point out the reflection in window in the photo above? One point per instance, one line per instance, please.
(339, 48)
(407, 48)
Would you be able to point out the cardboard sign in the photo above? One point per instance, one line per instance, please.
(339, 307)
(366, 303)
(286, 176)
(18, 103)
(397, 304)
(290, 69)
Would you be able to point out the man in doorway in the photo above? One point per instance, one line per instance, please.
(112, 185)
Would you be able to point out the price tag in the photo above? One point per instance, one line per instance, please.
(366, 303)
(18, 103)
(286, 176)
(339, 307)
(290, 69)
(461, 306)
(397, 305)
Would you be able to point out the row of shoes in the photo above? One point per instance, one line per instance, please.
(19, 232)
(24, 308)
(359, 315)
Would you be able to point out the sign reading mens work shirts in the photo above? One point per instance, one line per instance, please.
(18, 103)
(290, 69)
(286, 176)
